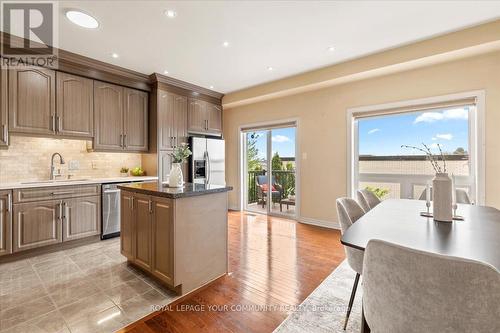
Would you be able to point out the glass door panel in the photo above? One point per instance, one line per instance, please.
(256, 171)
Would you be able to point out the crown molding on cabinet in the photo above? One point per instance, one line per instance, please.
(163, 82)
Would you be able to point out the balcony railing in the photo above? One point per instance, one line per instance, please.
(286, 180)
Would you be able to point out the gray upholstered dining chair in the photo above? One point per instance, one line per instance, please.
(406, 290)
(348, 212)
(367, 199)
(461, 196)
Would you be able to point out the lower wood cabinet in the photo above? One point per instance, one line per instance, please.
(147, 234)
(37, 224)
(41, 223)
(5, 222)
(81, 217)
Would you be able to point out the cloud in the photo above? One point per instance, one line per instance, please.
(430, 117)
(280, 138)
(447, 136)
(375, 130)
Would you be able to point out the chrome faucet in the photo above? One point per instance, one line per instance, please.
(53, 175)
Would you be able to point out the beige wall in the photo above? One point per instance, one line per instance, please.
(322, 131)
(29, 159)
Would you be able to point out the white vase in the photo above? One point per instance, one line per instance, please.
(442, 198)
(176, 178)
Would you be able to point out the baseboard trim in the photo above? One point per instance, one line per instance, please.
(319, 223)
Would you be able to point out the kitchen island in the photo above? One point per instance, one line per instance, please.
(177, 235)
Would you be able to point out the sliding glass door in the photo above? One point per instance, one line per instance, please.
(270, 170)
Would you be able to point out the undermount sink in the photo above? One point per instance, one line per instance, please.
(55, 181)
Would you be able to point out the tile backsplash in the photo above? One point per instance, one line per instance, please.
(28, 159)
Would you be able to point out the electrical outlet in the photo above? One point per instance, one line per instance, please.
(93, 165)
(74, 165)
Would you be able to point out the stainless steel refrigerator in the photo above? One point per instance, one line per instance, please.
(207, 164)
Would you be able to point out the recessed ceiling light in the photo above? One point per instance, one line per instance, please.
(170, 13)
(331, 48)
(211, 87)
(82, 19)
(225, 44)
(270, 68)
(114, 55)
(165, 72)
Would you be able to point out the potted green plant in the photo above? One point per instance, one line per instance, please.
(179, 156)
(124, 172)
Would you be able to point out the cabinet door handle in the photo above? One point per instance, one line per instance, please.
(60, 211)
(150, 203)
(53, 121)
(59, 124)
(9, 202)
(124, 140)
(5, 133)
(121, 140)
(65, 208)
(62, 193)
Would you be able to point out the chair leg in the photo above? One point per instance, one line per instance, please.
(353, 293)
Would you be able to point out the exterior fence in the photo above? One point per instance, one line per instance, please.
(284, 178)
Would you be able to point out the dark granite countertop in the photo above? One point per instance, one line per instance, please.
(161, 190)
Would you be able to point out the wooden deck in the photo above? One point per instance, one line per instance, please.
(273, 262)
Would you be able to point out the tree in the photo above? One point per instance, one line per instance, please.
(253, 159)
(460, 151)
(276, 163)
(289, 166)
(379, 192)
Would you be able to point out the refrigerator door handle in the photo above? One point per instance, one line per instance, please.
(209, 168)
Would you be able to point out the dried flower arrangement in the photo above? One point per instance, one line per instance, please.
(434, 159)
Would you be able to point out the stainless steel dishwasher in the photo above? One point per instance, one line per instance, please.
(110, 211)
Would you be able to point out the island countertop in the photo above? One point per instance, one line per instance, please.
(189, 189)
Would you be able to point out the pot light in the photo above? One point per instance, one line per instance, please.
(331, 48)
(211, 87)
(114, 55)
(170, 13)
(270, 68)
(82, 19)
(225, 44)
(165, 72)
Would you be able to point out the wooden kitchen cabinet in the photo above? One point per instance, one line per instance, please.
(37, 224)
(32, 98)
(81, 217)
(172, 120)
(147, 234)
(75, 106)
(135, 132)
(121, 118)
(204, 117)
(127, 225)
(162, 225)
(5, 222)
(142, 223)
(4, 107)
(108, 112)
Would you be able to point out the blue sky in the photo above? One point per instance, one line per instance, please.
(283, 141)
(385, 135)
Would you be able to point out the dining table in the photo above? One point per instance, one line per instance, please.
(475, 235)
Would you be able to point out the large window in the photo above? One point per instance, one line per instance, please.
(380, 163)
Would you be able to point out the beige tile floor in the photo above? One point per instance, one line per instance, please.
(84, 289)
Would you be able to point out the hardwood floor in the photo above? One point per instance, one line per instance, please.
(274, 263)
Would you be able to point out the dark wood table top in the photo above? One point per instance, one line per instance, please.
(477, 237)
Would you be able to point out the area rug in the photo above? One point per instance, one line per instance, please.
(325, 308)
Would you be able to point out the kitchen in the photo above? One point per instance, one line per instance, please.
(72, 139)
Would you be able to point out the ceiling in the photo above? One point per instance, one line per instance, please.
(289, 36)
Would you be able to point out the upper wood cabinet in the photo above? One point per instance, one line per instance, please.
(108, 112)
(81, 217)
(37, 224)
(32, 97)
(5, 222)
(75, 106)
(172, 120)
(135, 135)
(204, 117)
(4, 107)
(121, 118)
